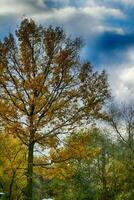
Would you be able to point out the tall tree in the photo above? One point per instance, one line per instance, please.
(45, 89)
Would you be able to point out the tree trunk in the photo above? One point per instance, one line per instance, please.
(29, 189)
(11, 186)
(104, 181)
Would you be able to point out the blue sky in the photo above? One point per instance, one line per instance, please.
(106, 26)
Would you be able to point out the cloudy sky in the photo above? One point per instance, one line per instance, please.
(106, 26)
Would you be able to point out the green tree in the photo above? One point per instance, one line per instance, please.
(70, 177)
(12, 168)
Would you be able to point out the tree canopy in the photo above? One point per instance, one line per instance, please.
(46, 90)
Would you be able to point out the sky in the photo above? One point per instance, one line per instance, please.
(106, 27)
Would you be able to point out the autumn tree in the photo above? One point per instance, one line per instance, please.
(12, 166)
(45, 89)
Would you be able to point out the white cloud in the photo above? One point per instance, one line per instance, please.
(101, 29)
(122, 78)
(37, 7)
(101, 2)
(84, 20)
(125, 2)
(123, 84)
(19, 8)
(102, 11)
(91, 2)
(92, 12)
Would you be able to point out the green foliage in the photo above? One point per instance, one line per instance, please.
(12, 167)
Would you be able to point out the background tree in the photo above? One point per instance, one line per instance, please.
(122, 122)
(69, 177)
(45, 89)
(96, 169)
